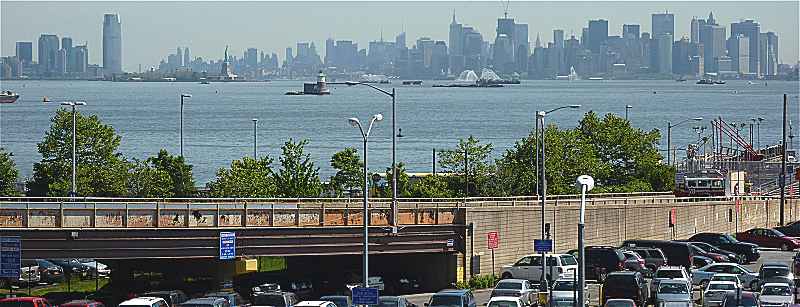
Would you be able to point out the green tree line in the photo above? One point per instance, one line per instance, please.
(620, 157)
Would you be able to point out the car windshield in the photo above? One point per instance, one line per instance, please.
(618, 304)
(564, 285)
(568, 260)
(503, 304)
(269, 300)
(721, 287)
(669, 274)
(744, 301)
(776, 290)
(509, 285)
(773, 272)
(724, 278)
(16, 304)
(445, 300)
(672, 288)
(776, 233)
(728, 239)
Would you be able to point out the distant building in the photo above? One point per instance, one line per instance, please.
(251, 58)
(662, 24)
(81, 55)
(598, 34)
(630, 31)
(558, 38)
(712, 36)
(751, 30)
(739, 52)
(48, 53)
(112, 44)
(768, 53)
(179, 58)
(24, 52)
(187, 59)
(681, 57)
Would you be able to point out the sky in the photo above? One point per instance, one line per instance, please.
(153, 29)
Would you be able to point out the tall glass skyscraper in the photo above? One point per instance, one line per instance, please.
(112, 44)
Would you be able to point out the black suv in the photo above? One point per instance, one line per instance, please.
(626, 285)
(601, 260)
(747, 252)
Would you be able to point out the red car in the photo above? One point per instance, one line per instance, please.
(24, 302)
(82, 303)
(765, 237)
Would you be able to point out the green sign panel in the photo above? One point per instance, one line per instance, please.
(271, 264)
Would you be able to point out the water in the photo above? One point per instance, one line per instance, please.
(218, 125)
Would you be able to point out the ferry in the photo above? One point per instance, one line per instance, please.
(8, 97)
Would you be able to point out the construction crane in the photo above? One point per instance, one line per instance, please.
(505, 4)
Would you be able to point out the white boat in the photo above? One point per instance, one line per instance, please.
(571, 77)
(8, 97)
(595, 78)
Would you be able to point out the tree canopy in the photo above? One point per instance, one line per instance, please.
(8, 174)
(349, 171)
(298, 176)
(246, 177)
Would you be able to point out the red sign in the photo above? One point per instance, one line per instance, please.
(673, 216)
(738, 205)
(493, 240)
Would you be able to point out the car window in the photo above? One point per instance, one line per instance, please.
(524, 261)
(509, 285)
(673, 288)
(721, 287)
(776, 290)
(552, 261)
(445, 300)
(736, 270)
(669, 274)
(503, 304)
(717, 269)
(772, 272)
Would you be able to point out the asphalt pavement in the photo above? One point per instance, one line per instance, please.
(482, 296)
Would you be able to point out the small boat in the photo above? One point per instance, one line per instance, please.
(8, 97)
(45, 99)
(205, 82)
(294, 93)
(705, 82)
(412, 82)
(385, 82)
(595, 78)
(719, 81)
(681, 79)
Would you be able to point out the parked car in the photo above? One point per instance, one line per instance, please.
(274, 299)
(796, 264)
(677, 253)
(775, 273)
(620, 302)
(714, 294)
(792, 229)
(72, 267)
(404, 285)
(530, 267)
(206, 302)
(741, 299)
(304, 288)
(96, 268)
(675, 293)
(24, 301)
(521, 288)
(562, 293)
(746, 252)
(716, 257)
(233, 298)
(452, 298)
(339, 300)
(629, 285)
(727, 277)
(49, 272)
(634, 262)
(144, 301)
(653, 257)
(701, 261)
(29, 273)
(505, 301)
(82, 303)
(172, 297)
(713, 249)
(602, 260)
(393, 301)
(776, 294)
(670, 273)
(315, 304)
(766, 237)
(702, 276)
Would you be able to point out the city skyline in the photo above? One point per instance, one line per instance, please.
(480, 15)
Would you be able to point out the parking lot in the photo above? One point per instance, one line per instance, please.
(482, 296)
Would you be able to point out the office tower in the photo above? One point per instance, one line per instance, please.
(329, 50)
(697, 24)
(739, 51)
(681, 56)
(712, 36)
(251, 57)
(179, 58)
(456, 38)
(558, 38)
(66, 44)
(81, 58)
(400, 40)
(521, 47)
(751, 30)
(112, 44)
(289, 56)
(661, 53)
(662, 24)
(48, 52)
(598, 34)
(473, 49)
(24, 52)
(187, 59)
(585, 38)
(630, 31)
(503, 54)
(768, 53)
(61, 61)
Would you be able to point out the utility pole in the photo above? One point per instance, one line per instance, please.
(782, 179)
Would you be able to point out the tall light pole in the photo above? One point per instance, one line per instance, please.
(758, 132)
(543, 182)
(73, 104)
(586, 184)
(669, 136)
(393, 94)
(627, 107)
(255, 138)
(365, 135)
(181, 128)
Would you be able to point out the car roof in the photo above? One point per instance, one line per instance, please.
(203, 300)
(512, 280)
(671, 281)
(671, 267)
(311, 303)
(20, 299)
(504, 298)
(142, 300)
(724, 275)
(774, 264)
(452, 292)
(776, 284)
(623, 273)
(722, 282)
(335, 296)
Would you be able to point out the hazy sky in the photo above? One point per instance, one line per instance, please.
(151, 30)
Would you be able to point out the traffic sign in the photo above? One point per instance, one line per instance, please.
(451, 242)
(542, 246)
(365, 296)
(10, 257)
(227, 245)
(493, 239)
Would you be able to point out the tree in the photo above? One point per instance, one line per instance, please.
(8, 174)
(181, 181)
(298, 176)
(479, 165)
(145, 180)
(101, 170)
(403, 187)
(434, 186)
(247, 177)
(349, 171)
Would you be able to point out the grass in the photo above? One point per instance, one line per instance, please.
(76, 285)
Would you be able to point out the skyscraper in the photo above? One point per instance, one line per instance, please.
(558, 38)
(712, 37)
(630, 31)
(48, 52)
(768, 53)
(662, 24)
(456, 40)
(739, 52)
(598, 34)
(112, 44)
(681, 56)
(751, 30)
(330, 48)
(69, 61)
(662, 53)
(81, 59)
(179, 57)
(694, 37)
(187, 59)
(251, 57)
(24, 52)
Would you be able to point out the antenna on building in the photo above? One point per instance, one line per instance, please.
(505, 4)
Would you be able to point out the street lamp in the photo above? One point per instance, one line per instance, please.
(255, 137)
(627, 107)
(394, 145)
(586, 184)
(543, 181)
(73, 104)
(669, 136)
(758, 131)
(365, 134)
(182, 97)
